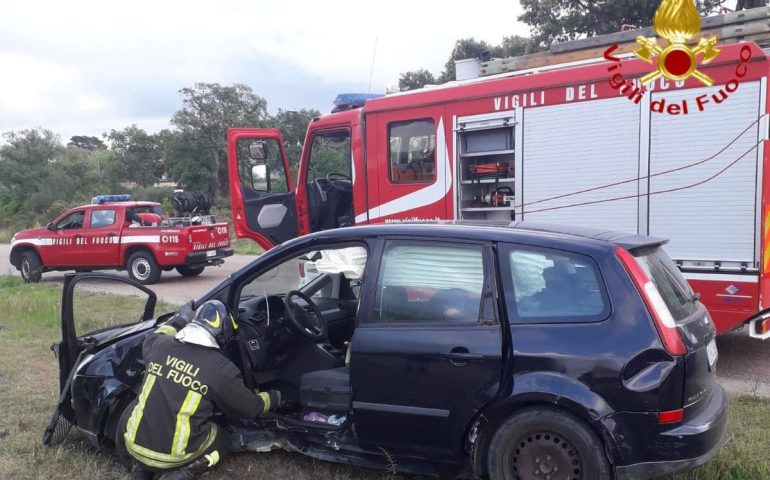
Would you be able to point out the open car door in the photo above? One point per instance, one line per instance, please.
(89, 322)
(261, 191)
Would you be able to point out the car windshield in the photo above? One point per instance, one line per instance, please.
(304, 269)
(673, 287)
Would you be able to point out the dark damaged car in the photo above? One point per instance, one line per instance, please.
(514, 351)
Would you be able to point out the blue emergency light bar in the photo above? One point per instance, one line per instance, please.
(100, 199)
(347, 101)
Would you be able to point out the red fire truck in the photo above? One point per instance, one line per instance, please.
(568, 144)
(120, 234)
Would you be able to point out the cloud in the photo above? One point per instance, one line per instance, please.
(88, 67)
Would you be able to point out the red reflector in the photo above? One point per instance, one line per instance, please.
(672, 416)
(763, 326)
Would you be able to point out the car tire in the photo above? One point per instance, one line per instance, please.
(143, 268)
(124, 457)
(540, 442)
(187, 271)
(31, 267)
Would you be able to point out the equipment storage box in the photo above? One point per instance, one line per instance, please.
(326, 391)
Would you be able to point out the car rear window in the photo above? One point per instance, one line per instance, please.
(673, 287)
(553, 286)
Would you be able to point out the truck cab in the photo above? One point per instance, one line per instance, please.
(266, 205)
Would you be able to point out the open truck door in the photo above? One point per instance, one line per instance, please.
(261, 191)
(87, 325)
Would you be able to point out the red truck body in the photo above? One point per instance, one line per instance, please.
(677, 160)
(103, 236)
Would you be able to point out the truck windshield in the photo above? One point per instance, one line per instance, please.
(673, 287)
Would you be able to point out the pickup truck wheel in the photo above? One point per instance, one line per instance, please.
(143, 268)
(539, 443)
(31, 267)
(187, 271)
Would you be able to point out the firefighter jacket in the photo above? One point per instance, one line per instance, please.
(171, 422)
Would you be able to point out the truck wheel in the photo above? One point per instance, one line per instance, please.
(187, 271)
(143, 268)
(31, 267)
(539, 442)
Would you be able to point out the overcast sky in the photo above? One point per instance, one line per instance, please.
(83, 68)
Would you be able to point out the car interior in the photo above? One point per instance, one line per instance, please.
(295, 322)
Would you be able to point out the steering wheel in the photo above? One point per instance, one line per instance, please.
(308, 323)
(339, 181)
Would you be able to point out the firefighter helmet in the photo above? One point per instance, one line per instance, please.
(213, 317)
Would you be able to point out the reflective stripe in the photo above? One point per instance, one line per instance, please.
(182, 431)
(166, 330)
(766, 243)
(164, 460)
(140, 239)
(265, 401)
(136, 415)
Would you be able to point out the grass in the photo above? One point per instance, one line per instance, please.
(29, 324)
(244, 246)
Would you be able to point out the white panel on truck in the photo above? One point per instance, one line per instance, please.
(715, 220)
(574, 147)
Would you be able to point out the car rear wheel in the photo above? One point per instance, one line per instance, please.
(542, 443)
(31, 267)
(143, 268)
(187, 271)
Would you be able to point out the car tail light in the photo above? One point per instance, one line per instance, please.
(763, 326)
(671, 416)
(664, 322)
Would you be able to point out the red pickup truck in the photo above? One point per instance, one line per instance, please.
(135, 236)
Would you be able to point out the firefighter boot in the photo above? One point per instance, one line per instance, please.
(191, 471)
(139, 473)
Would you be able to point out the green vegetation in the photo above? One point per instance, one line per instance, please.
(28, 373)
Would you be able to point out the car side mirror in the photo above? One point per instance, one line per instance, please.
(51, 226)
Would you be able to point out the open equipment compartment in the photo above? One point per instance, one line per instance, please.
(486, 151)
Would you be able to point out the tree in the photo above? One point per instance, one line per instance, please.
(208, 110)
(293, 125)
(464, 48)
(747, 4)
(415, 79)
(136, 157)
(562, 20)
(86, 143)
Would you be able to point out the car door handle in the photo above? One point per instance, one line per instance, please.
(461, 358)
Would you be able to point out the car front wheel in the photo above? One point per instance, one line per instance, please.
(143, 268)
(31, 267)
(540, 443)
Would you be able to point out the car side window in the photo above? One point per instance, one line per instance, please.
(553, 286)
(102, 218)
(72, 221)
(422, 282)
(412, 151)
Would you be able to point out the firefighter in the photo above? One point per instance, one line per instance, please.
(169, 430)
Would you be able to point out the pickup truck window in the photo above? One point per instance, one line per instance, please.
(421, 283)
(549, 286)
(72, 221)
(102, 218)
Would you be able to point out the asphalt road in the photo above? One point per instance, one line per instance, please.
(743, 367)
